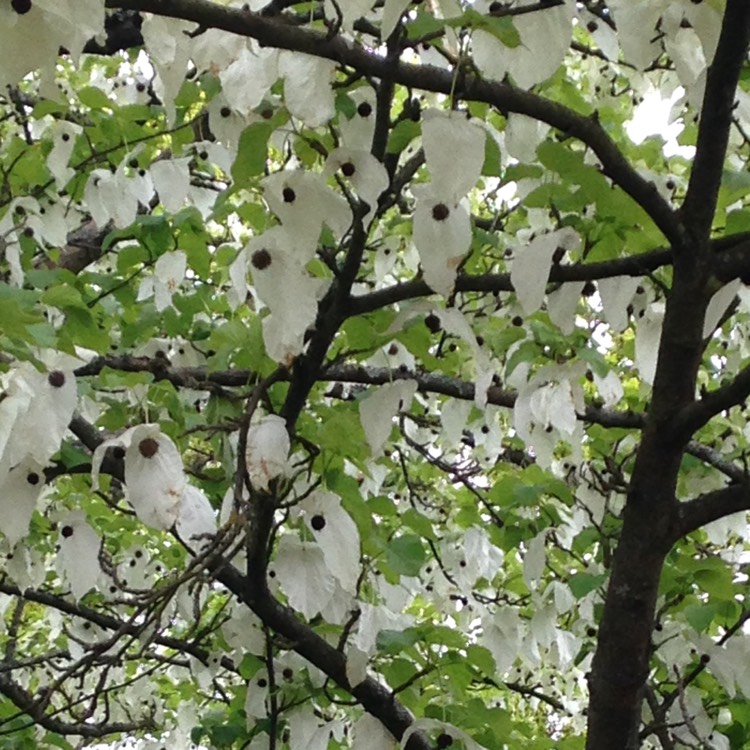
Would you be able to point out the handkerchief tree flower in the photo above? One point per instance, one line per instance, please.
(374, 375)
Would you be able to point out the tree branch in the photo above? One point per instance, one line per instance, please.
(695, 415)
(199, 378)
(374, 697)
(104, 621)
(731, 259)
(711, 506)
(714, 458)
(34, 708)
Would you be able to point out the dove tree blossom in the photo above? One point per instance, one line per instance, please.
(374, 375)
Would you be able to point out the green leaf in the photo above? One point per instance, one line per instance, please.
(396, 641)
(405, 554)
(95, 98)
(492, 159)
(345, 104)
(482, 658)
(424, 24)
(584, 583)
(62, 296)
(252, 152)
(419, 523)
(700, 616)
(402, 135)
(501, 27)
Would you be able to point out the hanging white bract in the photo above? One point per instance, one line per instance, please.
(337, 535)
(196, 521)
(20, 490)
(303, 575)
(36, 411)
(169, 273)
(267, 451)
(286, 288)
(304, 202)
(362, 170)
(442, 230)
(154, 476)
(531, 264)
(78, 558)
(377, 410)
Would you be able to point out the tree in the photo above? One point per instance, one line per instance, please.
(374, 373)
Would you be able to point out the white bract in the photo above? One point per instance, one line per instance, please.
(610, 388)
(616, 294)
(111, 197)
(392, 12)
(196, 521)
(267, 450)
(307, 732)
(169, 273)
(356, 665)
(547, 408)
(454, 322)
(483, 559)
(226, 123)
(154, 476)
(637, 20)
(286, 288)
(171, 179)
(530, 267)
(307, 87)
(304, 202)
(33, 39)
(36, 411)
(523, 135)
(350, 11)
(64, 136)
(369, 734)
(433, 725)
(378, 409)
(647, 339)
(255, 698)
(545, 38)
(562, 304)
(718, 305)
(337, 535)
(303, 575)
(243, 633)
(357, 131)
(78, 558)
(247, 80)
(534, 560)
(164, 40)
(20, 490)
(455, 170)
(442, 235)
(442, 230)
(366, 174)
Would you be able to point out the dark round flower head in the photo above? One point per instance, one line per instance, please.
(148, 447)
(21, 6)
(440, 212)
(56, 379)
(261, 259)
